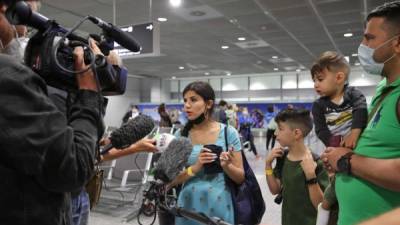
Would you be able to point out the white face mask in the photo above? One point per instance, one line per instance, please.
(16, 48)
(366, 57)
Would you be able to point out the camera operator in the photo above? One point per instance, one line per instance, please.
(50, 155)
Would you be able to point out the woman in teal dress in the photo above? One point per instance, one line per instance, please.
(207, 193)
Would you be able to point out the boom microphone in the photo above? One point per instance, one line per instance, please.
(121, 37)
(131, 132)
(173, 159)
(19, 13)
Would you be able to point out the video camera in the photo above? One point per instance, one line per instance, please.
(50, 51)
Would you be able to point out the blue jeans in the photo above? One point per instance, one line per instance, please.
(80, 207)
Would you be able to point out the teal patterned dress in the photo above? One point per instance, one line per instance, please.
(208, 193)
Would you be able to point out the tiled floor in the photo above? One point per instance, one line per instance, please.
(116, 206)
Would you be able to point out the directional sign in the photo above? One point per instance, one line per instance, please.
(147, 35)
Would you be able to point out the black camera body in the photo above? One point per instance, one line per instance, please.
(39, 57)
(50, 51)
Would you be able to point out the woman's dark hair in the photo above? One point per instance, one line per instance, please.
(206, 92)
(161, 108)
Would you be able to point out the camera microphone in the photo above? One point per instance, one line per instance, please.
(173, 159)
(121, 37)
(131, 132)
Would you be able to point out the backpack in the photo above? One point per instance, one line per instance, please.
(279, 167)
(247, 199)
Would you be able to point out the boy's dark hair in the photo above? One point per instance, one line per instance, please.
(391, 12)
(296, 119)
(332, 61)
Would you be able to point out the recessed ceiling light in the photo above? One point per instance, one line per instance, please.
(228, 74)
(224, 46)
(274, 57)
(276, 69)
(181, 67)
(298, 70)
(173, 78)
(206, 73)
(259, 62)
(354, 54)
(175, 3)
(241, 38)
(348, 34)
(357, 64)
(162, 19)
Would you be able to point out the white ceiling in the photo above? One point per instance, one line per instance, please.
(296, 31)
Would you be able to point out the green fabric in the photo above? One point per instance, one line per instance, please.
(297, 208)
(360, 199)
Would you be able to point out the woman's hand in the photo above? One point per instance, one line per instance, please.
(205, 156)
(226, 158)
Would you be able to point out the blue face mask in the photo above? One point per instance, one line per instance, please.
(366, 57)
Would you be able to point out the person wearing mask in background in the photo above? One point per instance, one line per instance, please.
(51, 155)
(201, 192)
(165, 121)
(132, 113)
(367, 178)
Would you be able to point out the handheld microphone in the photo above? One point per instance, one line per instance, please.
(173, 160)
(121, 37)
(131, 132)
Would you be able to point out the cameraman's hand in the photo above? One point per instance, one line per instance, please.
(104, 141)
(93, 46)
(86, 80)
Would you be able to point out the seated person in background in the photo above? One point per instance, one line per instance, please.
(132, 113)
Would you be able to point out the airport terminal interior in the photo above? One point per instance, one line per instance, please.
(255, 54)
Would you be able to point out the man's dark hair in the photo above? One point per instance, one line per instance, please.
(332, 61)
(222, 103)
(296, 119)
(391, 12)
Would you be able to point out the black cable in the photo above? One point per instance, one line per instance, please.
(57, 45)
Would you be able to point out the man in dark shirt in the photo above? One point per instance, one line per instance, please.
(45, 156)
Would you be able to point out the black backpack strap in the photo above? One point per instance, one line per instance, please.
(226, 137)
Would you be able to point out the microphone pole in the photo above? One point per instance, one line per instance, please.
(198, 217)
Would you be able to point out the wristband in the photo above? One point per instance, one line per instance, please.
(269, 172)
(189, 172)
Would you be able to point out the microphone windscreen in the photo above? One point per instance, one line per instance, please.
(132, 131)
(173, 160)
(163, 141)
